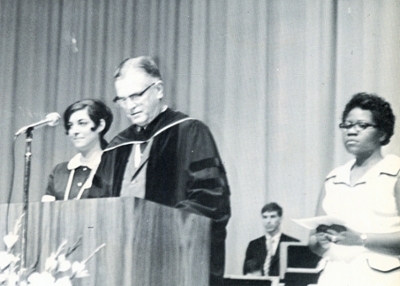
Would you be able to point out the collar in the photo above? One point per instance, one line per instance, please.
(389, 165)
(163, 121)
(75, 162)
(276, 237)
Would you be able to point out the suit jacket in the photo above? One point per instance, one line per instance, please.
(256, 254)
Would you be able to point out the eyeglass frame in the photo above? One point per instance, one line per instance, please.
(122, 100)
(359, 126)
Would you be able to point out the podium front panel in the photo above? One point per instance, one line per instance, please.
(146, 243)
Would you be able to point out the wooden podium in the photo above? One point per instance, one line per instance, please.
(146, 243)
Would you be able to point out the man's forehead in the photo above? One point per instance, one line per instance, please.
(270, 213)
(134, 75)
(133, 81)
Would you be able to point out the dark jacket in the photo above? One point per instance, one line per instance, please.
(256, 254)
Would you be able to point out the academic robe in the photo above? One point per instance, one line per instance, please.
(184, 171)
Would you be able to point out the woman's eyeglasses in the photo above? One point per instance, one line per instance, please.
(358, 126)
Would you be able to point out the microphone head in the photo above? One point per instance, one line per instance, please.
(53, 118)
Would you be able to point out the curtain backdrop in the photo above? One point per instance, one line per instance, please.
(270, 78)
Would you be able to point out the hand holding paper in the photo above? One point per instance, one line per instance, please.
(313, 222)
(331, 229)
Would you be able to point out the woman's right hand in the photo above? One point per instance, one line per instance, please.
(323, 238)
(319, 242)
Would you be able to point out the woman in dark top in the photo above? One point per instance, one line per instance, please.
(86, 122)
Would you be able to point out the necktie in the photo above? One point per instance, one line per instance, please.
(269, 256)
(138, 154)
(138, 146)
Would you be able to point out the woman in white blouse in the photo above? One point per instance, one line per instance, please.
(365, 195)
(86, 122)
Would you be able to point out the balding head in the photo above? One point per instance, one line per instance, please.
(143, 63)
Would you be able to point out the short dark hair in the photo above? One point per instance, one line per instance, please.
(97, 110)
(145, 63)
(381, 111)
(272, 207)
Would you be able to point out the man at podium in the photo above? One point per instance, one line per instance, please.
(164, 156)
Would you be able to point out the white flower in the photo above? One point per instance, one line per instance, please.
(12, 279)
(41, 279)
(6, 259)
(78, 269)
(51, 263)
(3, 277)
(63, 263)
(64, 281)
(10, 240)
(12, 274)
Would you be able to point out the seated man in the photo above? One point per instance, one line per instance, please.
(262, 255)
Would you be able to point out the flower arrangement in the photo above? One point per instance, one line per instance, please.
(58, 270)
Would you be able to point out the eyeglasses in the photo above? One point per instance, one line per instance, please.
(121, 101)
(359, 126)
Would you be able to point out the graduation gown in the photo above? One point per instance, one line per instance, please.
(184, 171)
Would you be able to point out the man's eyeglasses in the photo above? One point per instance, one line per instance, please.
(122, 100)
(359, 126)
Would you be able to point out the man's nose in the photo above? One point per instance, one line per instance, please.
(130, 103)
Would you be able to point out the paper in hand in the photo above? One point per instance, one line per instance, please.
(314, 222)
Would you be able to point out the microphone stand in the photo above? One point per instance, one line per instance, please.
(27, 171)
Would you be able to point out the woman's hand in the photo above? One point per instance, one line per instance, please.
(319, 243)
(348, 237)
(323, 238)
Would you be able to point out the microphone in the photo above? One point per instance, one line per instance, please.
(52, 119)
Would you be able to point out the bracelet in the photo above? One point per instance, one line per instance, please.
(363, 238)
